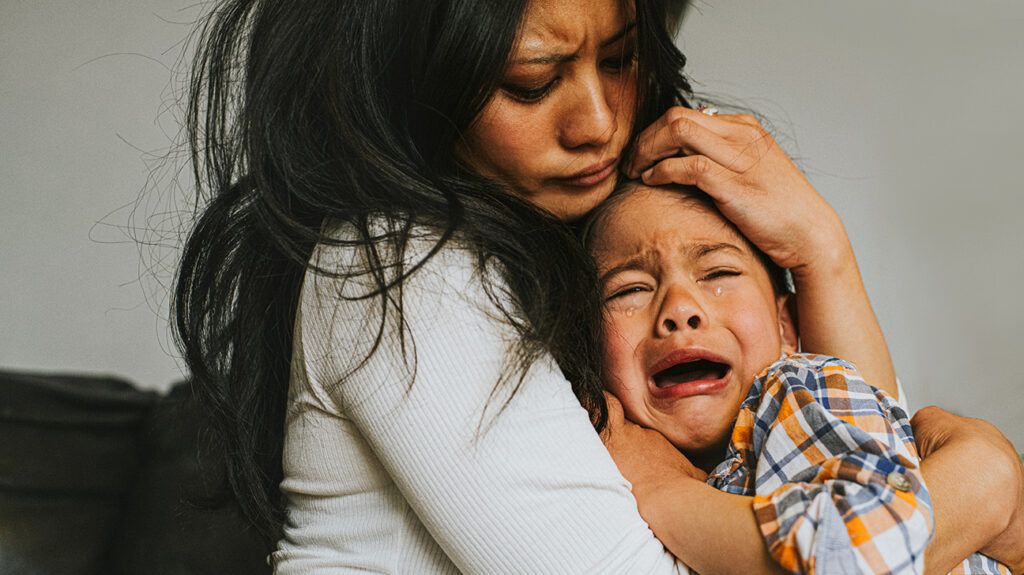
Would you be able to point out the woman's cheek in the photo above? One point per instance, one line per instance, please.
(625, 100)
(508, 142)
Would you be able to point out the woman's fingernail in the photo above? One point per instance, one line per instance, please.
(647, 174)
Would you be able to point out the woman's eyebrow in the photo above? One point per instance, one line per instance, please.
(559, 57)
(556, 58)
(619, 35)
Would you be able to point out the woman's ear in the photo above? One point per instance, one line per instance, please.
(786, 305)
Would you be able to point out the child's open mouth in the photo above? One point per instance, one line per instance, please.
(686, 372)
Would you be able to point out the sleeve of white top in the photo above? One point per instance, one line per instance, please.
(901, 398)
(528, 490)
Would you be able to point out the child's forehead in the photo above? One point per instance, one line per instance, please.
(645, 212)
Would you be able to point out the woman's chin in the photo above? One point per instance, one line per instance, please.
(570, 203)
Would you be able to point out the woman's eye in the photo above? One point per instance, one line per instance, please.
(529, 95)
(619, 62)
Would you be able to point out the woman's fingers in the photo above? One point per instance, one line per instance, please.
(700, 171)
(682, 131)
(686, 137)
(616, 417)
(614, 405)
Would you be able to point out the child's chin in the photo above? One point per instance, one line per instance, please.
(701, 444)
(702, 436)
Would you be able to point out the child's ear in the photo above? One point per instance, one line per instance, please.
(787, 323)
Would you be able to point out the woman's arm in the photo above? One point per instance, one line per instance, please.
(757, 187)
(973, 511)
(525, 486)
(848, 514)
(716, 530)
(975, 479)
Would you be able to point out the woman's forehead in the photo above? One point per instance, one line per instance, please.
(567, 26)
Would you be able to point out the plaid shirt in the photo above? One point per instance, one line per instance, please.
(833, 469)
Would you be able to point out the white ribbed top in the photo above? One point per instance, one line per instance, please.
(386, 478)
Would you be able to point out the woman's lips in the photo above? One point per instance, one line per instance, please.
(593, 175)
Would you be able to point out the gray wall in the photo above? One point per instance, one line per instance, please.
(905, 115)
(83, 88)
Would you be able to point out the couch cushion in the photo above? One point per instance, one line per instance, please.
(69, 455)
(168, 527)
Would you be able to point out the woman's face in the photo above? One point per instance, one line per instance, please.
(555, 128)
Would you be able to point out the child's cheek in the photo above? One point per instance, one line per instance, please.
(619, 358)
(756, 330)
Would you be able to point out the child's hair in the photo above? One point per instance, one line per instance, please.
(780, 277)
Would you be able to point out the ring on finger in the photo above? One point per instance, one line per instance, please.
(707, 110)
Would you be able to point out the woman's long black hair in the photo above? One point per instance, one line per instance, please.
(349, 111)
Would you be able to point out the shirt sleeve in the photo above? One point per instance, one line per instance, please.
(901, 398)
(979, 564)
(503, 482)
(838, 486)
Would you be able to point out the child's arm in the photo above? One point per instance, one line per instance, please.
(837, 476)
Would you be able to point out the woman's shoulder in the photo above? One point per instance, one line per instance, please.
(387, 299)
(390, 248)
(416, 266)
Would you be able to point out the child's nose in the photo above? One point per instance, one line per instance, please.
(670, 324)
(680, 310)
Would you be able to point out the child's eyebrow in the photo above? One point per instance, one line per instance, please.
(697, 251)
(643, 259)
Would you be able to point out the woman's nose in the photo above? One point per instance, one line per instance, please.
(680, 310)
(589, 118)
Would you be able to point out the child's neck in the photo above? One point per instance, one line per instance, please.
(708, 458)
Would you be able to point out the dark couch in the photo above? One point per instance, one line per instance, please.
(99, 477)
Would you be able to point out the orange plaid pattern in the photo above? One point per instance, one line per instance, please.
(833, 469)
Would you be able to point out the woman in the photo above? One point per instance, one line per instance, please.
(386, 232)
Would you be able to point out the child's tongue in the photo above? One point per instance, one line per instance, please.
(699, 370)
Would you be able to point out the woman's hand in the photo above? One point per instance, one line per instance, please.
(757, 187)
(752, 181)
(988, 506)
(644, 457)
(711, 531)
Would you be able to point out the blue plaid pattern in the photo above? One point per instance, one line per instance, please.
(834, 472)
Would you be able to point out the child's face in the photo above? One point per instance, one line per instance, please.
(690, 316)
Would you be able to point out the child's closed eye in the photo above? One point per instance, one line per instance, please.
(720, 273)
(626, 291)
(631, 297)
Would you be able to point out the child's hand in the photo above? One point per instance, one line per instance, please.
(644, 457)
(736, 161)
